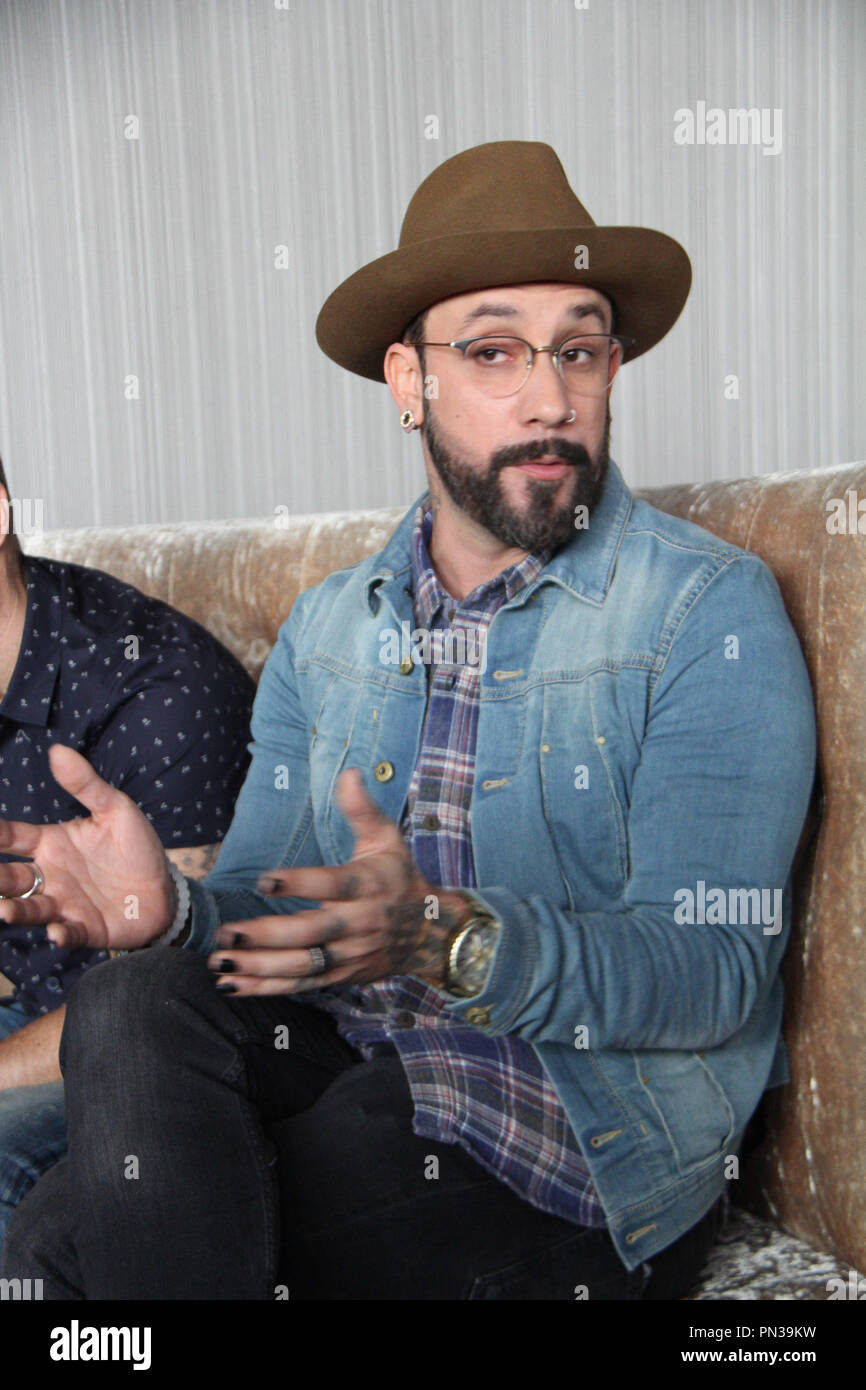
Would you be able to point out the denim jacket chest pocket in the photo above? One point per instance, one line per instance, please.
(347, 731)
(332, 748)
(589, 747)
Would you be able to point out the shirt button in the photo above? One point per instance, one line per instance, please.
(431, 822)
(479, 1018)
(384, 771)
(404, 1019)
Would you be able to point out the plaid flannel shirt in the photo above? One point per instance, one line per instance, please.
(488, 1094)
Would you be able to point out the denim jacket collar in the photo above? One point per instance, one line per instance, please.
(584, 565)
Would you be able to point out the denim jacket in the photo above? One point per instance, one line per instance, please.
(645, 756)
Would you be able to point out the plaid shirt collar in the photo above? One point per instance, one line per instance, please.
(429, 594)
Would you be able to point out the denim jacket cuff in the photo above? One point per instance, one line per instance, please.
(503, 997)
(204, 920)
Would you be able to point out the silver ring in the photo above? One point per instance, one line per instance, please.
(319, 961)
(35, 887)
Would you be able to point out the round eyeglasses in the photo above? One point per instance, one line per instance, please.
(500, 366)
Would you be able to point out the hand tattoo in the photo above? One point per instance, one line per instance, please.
(418, 942)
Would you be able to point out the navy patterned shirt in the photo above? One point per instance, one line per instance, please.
(155, 703)
(491, 1095)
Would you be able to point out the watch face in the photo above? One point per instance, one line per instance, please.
(474, 957)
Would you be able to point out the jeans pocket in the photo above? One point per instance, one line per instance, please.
(582, 1266)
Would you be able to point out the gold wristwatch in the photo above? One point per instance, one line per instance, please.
(470, 952)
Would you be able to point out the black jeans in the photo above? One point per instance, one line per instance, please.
(207, 1160)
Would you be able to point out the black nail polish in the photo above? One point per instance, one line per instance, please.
(227, 966)
(239, 939)
(227, 987)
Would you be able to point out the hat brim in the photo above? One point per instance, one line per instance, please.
(645, 273)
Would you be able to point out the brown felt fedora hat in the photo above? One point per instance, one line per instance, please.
(501, 214)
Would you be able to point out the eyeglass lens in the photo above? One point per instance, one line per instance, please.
(500, 366)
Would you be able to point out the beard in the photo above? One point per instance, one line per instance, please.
(543, 522)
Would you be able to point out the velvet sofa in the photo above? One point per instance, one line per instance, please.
(799, 1208)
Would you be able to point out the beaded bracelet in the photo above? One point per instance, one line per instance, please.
(177, 926)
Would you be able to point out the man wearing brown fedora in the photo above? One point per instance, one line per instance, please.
(484, 989)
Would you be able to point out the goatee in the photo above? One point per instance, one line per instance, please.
(544, 523)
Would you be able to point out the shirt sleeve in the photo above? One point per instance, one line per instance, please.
(177, 743)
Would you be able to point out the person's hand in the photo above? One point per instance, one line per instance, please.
(379, 916)
(107, 882)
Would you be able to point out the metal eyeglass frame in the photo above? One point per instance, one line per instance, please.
(463, 344)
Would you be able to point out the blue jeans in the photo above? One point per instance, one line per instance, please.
(207, 1160)
(32, 1126)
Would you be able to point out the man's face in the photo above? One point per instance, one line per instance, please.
(480, 446)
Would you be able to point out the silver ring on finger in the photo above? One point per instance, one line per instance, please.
(319, 959)
(35, 887)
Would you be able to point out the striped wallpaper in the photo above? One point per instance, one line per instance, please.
(157, 363)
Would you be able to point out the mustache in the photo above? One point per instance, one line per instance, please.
(566, 449)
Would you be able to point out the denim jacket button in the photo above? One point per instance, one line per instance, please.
(407, 666)
(384, 771)
(479, 1018)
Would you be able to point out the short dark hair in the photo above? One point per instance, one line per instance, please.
(13, 539)
(413, 336)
